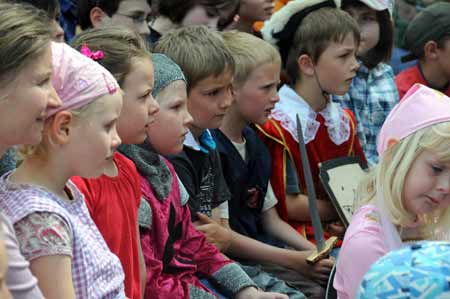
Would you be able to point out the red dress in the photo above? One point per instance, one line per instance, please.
(113, 203)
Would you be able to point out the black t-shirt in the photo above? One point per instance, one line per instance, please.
(201, 175)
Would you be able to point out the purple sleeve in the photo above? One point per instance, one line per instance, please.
(19, 279)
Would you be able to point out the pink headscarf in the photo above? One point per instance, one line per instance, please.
(77, 79)
(419, 108)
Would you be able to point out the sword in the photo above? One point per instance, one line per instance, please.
(323, 247)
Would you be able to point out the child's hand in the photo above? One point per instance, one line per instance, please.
(336, 229)
(253, 293)
(215, 234)
(319, 272)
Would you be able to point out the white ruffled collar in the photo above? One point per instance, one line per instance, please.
(291, 104)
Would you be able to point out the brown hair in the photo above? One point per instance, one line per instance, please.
(198, 51)
(317, 30)
(176, 10)
(383, 49)
(119, 45)
(24, 36)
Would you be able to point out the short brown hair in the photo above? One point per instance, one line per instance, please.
(24, 36)
(199, 51)
(176, 10)
(317, 30)
(119, 44)
(249, 52)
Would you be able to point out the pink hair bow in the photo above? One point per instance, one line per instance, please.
(96, 55)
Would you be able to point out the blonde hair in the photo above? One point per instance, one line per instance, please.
(248, 52)
(24, 36)
(199, 51)
(119, 45)
(388, 177)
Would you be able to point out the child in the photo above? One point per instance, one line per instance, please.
(406, 196)
(428, 39)
(246, 167)
(321, 62)
(51, 221)
(176, 254)
(25, 93)
(418, 271)
(251, 11)
(208, 69)
(133, 14)
(372, 93)
(113, 198)
(173, 14)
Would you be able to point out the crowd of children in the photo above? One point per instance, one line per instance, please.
(156, 153)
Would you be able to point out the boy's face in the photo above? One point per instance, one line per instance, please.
(208, 101)
(199, 15)
(134, 15)
(258, 95)
(256, 10)
(169, 130)
(444, 59)
(337, 66)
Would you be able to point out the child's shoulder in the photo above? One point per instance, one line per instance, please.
(365, 221)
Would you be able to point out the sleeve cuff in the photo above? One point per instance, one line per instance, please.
(232, 279)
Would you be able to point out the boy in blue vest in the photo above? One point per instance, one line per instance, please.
(246, 167)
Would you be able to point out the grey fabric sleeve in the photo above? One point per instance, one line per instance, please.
(232, 279)
(197, 293)
(145, 214)
(292, 184)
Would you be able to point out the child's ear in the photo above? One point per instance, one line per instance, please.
(96, 16)
(305, 65)
(430, 50)
(61, 127)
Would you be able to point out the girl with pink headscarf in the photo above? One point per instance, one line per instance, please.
(67, 254)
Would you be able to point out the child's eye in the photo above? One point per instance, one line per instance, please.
(44, 81)
(436, 169)
(213, 93)
(145, 96)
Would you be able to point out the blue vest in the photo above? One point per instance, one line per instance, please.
(247, 181)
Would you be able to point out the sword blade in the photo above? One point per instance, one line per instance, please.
(313, 212)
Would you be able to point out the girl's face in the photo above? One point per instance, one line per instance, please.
(24, 101)
(256, 10)
(168, 131)
(200, 15)
(94, 137)
(139, 107)
(427, 185)
(256, 98)
(368, 26)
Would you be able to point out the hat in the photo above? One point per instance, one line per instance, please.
(166, 71)
(420, 271)
(430, 24)
(419, 108)
(77, 79)
(375, 4)
(280, 29)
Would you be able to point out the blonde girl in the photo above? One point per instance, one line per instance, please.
(25, 93)
(113, 198)
(406, 196)
(56, 235)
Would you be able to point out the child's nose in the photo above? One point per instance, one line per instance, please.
(153, 107)
(444, 184)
